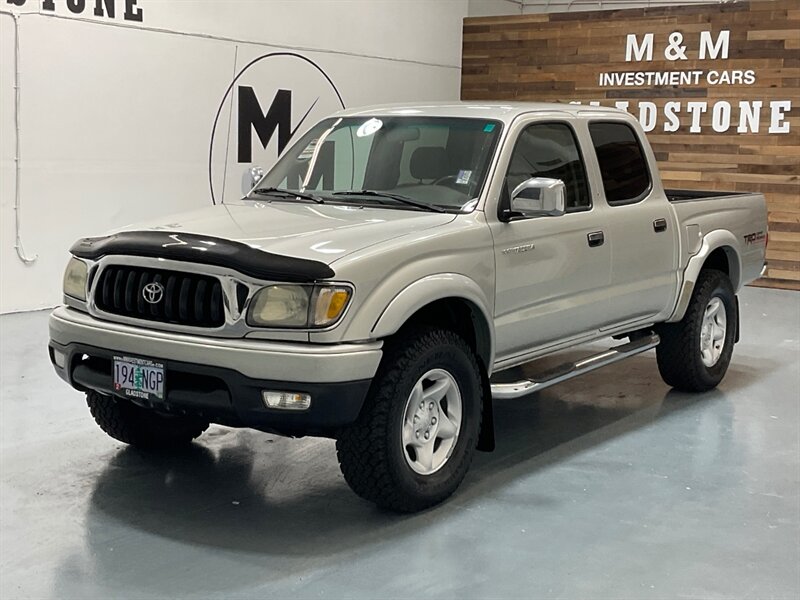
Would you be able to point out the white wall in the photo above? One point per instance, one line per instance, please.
(115, 116)
(491, 8)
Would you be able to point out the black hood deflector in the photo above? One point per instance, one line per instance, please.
(205, 250)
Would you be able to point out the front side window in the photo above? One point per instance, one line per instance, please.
(623, 166)
(433, 161)
(550, 150)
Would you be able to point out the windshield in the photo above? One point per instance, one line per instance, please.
(432, 161)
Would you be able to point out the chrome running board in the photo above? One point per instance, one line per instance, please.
(573, 369)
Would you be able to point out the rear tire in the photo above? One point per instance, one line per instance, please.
(131, 424)
(695, 352)
(416, 435)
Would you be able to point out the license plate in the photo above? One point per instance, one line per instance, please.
(138, 378)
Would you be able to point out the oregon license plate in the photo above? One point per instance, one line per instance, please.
(138, 378)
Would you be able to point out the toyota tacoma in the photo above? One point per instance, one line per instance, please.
(374, 284)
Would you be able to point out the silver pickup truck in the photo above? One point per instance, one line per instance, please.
(373, 284)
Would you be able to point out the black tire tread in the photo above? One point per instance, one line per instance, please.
(677, 353)
(136, 426)
(362, 450)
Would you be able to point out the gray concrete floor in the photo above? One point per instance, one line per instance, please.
(609, 486)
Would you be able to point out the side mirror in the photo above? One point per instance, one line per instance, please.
(538, 197)
(250, 178)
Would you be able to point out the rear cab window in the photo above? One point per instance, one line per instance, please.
(623, 165)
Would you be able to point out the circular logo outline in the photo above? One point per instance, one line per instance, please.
(153, 292)
(230, 89)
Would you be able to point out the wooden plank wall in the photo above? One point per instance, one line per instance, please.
(558, 57)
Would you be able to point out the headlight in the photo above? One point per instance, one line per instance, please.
(298, 306)
(75, 279)
(280, 306)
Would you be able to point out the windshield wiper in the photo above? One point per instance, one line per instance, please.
(271, 191)
(397, 197)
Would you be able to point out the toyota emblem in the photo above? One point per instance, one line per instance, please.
(153, 292)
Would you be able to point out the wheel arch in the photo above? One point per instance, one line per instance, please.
(458, 303)
(717, 251)
(452, 297)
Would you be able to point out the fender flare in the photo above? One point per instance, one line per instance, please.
(429, 289)
(441, 286)
(713, 240)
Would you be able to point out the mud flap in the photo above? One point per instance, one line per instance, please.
(486, 441)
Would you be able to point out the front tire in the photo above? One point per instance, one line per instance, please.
(131, 424)
(695, 352)
(416, 436)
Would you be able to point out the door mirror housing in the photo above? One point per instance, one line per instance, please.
(250, 178)
(538, 197)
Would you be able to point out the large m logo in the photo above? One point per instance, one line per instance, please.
(279, 116)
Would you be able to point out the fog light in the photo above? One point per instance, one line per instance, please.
(59, 358)
(286, 400)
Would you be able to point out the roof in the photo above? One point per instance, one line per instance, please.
(504, 111)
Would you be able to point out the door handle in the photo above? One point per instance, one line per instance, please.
(596, 238)
(659, 225)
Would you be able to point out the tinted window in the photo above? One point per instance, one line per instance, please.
(550, 150)
(622, 162)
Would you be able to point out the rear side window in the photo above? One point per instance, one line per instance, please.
(623, 167)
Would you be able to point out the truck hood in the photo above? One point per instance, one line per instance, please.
(313, 231)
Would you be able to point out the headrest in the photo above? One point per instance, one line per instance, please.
(429, 162)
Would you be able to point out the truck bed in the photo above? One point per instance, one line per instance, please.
(743, 214)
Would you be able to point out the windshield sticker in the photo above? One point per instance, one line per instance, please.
(463, 177)
(308, 151)
(488, 128)
(369, 127)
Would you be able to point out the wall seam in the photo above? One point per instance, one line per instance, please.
(220, 38)
(228, 134)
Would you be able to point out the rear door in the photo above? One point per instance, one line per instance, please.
(551, 280)
(641, 232)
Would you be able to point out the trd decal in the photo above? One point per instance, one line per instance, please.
(753, 238)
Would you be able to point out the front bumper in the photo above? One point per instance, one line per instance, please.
(219, 379)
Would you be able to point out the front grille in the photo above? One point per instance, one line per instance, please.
(185, 298)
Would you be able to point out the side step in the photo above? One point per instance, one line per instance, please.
(573, 369)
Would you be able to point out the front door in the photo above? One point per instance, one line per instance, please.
(552, 272)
